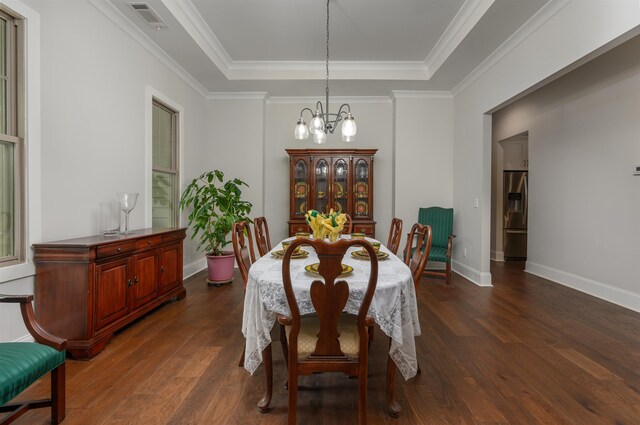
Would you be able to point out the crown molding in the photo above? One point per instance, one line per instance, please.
(416, 94)
(117, 17)
(465, 20)
(236, 96)
(335, 99)
(340, 70)
(194, 24)
(536, 21)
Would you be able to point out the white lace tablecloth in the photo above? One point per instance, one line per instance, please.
(393, 307)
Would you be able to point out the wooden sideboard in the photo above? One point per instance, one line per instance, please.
(88, 288)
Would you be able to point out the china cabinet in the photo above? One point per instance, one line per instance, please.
(89, 288)
(322, 179)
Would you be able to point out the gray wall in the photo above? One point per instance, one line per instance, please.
(584, 143)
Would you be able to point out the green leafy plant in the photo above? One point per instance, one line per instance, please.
(215, 207)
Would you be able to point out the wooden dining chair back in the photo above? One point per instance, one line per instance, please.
(263, 241)
(328, 340)
(416, 256)
(243, 248)
(395, 234)
(348, 226)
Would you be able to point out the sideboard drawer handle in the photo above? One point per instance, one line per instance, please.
(149, 242)
(119, 249)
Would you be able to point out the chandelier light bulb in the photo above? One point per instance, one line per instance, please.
(302, 131)
(349, 128)
(317, 123)
(320, 137)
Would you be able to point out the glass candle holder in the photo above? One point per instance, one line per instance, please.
(109, 218)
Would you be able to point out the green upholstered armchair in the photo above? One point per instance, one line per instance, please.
(23, 363)
(441, 222)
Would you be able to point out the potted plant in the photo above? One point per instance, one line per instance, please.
(215, 206)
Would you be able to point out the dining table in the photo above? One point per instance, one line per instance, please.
(394, 306)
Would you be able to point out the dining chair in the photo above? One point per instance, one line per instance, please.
(243, 249)
(263, 240)
(395, 234)
(328, 340)
(416, 256)
(243, 252)
(23, 363)
(441, 222)
(349, 224)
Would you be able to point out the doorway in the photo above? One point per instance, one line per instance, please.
(509, 189)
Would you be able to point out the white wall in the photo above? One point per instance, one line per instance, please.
(574, 30)
(584, 204)
(423, 155)
(374, 117)
(94, 79)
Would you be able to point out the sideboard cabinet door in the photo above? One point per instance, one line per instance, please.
(112, 291)
(145, 279)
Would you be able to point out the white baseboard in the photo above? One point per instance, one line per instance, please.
(25, 338)
(475, 276)
(600, 290)
(497, 255)
(189, 270)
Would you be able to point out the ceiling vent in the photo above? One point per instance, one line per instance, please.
(148, 14)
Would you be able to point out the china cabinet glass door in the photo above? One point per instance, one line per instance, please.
(361, 187)
(301, 187)
(322, 186)
(340, 186)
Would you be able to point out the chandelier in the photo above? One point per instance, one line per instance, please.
(323, 122)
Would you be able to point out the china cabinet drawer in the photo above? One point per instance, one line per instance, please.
(297, 228)
(368, 229)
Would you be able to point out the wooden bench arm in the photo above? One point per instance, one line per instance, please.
(40, 335)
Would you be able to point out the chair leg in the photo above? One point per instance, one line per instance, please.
(393, 407)
(448, 271)
(362, 397)
(370, 329)
(241, 362)
(58, 394)
(263, 404)
(285, 350)
(293, 394)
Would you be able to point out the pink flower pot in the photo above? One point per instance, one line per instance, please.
(220, 268)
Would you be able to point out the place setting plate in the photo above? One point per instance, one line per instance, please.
(364, 255)
(313, 269)
(295, 256)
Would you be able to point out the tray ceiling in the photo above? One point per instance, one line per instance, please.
(278, 46)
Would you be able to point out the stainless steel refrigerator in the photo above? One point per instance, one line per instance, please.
(515, 204)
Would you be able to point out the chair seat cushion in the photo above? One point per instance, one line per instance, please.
(22, 363)
(309, 326)
(436, 253)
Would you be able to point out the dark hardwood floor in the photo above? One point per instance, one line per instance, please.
(526, 351)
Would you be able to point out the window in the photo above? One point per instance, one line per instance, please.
(165, 166)
(10, 141)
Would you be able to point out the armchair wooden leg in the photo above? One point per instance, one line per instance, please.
(58, 394)
(263, 404)
(448, 271)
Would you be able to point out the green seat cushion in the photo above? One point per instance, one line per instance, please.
(435, 254)
(22, 363)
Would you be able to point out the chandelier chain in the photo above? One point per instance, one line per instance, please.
(327, 62)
